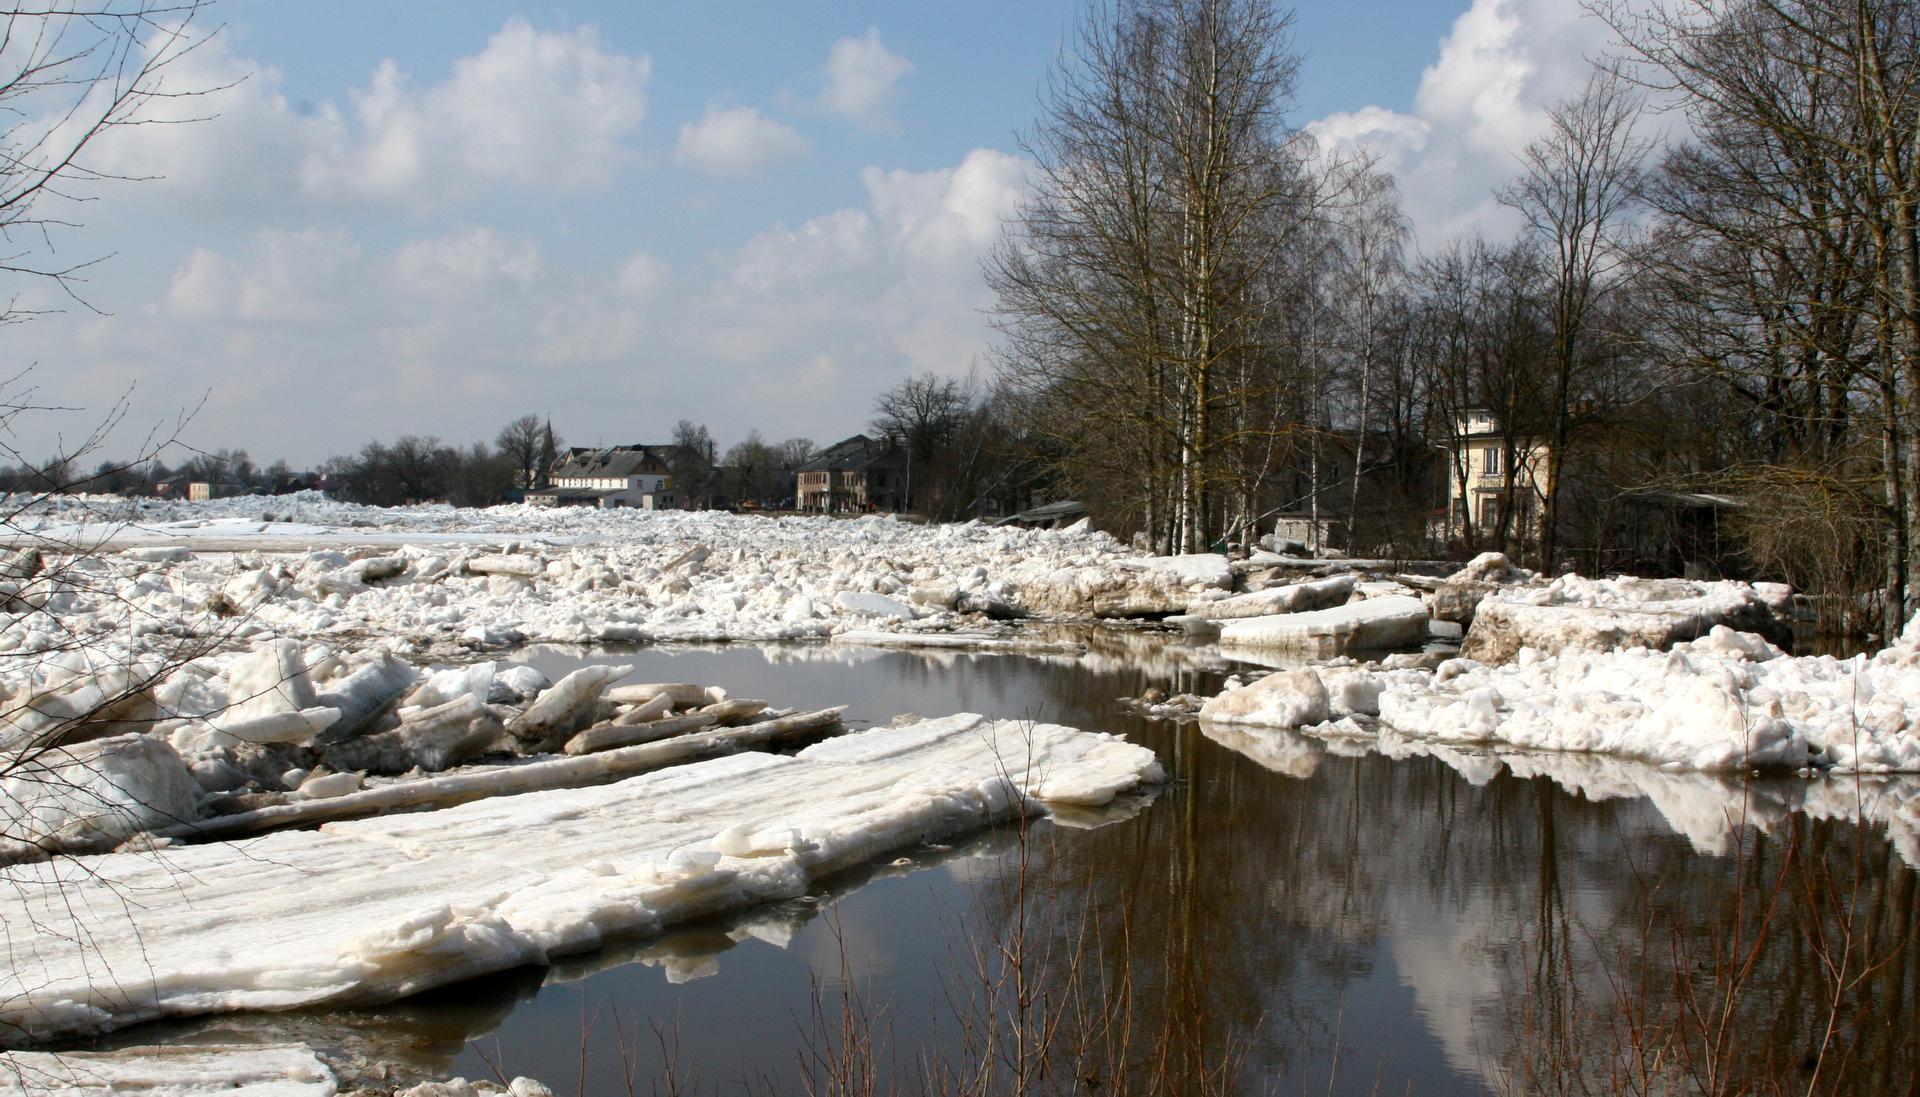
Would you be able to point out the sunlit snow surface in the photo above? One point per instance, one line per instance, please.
(437, 576)
(278, 1070)
(1726, 702)
(371, 910)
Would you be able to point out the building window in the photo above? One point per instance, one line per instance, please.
(1490, 460)
(1489, 512)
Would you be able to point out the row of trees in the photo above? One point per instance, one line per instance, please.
(1208, 321)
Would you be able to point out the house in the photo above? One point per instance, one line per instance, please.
(854, 476)
(608, 477)
(201, 491)
(1490, 470)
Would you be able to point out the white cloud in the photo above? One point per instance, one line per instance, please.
(791, 258)
(642, 275)
(862, 79)
(532, 108)
(583, 331)
(1394, 139)
(874, 292)
(284, 277)
(464, 262)
(950, 212)
(453, 334)
(1502, 64)
(735, 141)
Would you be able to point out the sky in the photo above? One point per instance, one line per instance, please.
(433, 217)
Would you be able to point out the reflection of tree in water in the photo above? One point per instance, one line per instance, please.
(1785, 967)
(1541, 934)
(1510, 903)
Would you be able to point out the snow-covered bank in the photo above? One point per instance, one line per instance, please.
(1727, 701)
(385, 907)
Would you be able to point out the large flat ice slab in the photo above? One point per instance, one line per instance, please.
(1375, 623)
(1290, 598)
(274, 1070)
(1573, 613)
(372, 910)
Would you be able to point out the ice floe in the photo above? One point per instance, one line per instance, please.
(186, 1070)
(1726, 701)
(1370, 624)
(389, 906)
(442, 579)
(1610, 614)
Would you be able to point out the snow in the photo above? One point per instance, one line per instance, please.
(388, 906)
(1726, 701)
(1608, 614)
(94, 794)
(1201, 569)
(206, 1070)
(449, 580)
(863, 604)
(1286, 699)
(1291, 598)
(1374, 623)
(181, 1070)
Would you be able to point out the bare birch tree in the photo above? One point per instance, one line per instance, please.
(1370, 234)
(1129, 285)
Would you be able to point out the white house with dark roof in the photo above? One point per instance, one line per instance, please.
(608, 477)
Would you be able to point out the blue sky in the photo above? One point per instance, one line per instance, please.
(431, 217)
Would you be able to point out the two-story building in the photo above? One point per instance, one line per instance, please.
(608, 477)
(853, 476)
(1489, 470)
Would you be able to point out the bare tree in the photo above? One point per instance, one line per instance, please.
(691, 463)
(69, 76)
(1130, 286)
(1578, 184)
(795, 452)
(752, 470)
(1789, 236)
(519, 443)
(1370, 232)
(922, 415)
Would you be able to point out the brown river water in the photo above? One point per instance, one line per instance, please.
(1285, 915)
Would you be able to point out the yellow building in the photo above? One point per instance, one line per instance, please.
(1489, 466)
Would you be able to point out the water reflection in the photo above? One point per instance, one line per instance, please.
(1351, 915)
(1708, 809)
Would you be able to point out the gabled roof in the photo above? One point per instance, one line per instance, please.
(585, 461)
(851, 454)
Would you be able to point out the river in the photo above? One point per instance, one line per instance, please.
(1286, 914)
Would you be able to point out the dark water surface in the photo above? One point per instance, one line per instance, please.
(1287, 915)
